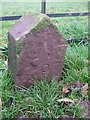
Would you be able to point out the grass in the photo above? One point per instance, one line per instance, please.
(74, 64)
(38, 101)
(41, 100)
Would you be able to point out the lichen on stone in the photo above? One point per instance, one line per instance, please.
(19, 46)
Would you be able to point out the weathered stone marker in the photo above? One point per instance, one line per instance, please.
(36, 49)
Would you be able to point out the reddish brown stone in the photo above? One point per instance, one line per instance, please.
(36, 49)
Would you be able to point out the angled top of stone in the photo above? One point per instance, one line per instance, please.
(29, 22)
(26, 24)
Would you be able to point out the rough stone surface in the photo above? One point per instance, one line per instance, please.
(36, 49)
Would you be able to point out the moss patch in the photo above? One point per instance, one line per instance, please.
(45, 23)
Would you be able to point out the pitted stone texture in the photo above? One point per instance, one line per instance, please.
(36, 49)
